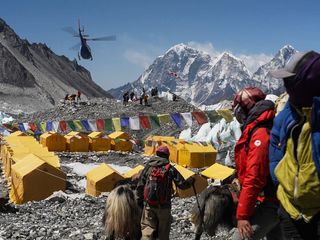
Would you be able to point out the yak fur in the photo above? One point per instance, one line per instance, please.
(122, 214)
(217, 208)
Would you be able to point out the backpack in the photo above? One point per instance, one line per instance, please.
(157, 190)
(270, 189)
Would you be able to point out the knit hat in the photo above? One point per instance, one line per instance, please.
(163, 151)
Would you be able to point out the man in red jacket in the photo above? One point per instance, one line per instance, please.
(257, 206)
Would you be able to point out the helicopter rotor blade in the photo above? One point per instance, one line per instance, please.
(106, 38)
(71, 30)
(76, 47)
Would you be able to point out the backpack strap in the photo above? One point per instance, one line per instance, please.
(167, 166)
(263, 124)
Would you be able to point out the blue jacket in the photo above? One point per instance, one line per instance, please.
(280, 132)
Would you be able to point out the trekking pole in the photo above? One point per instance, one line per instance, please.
(200, 212)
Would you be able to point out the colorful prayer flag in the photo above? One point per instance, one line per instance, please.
(200, 117)
(134, 123)
(177, 119)
(116, 124)
(86, 125)
(187, 118)
(100, 125)
(144, 122)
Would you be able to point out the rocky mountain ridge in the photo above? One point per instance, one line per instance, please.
(33, 77)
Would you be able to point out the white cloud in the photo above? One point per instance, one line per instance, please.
(204, 47)
(141, 59)
(254, 61)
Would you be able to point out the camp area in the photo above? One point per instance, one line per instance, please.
(199, 185)
(218, 172)
(152, 142)
(120, 141)
(99, 141)
(16, 148)
(54, 141)
(102, 179)
(33, 179)
(77, 142)
(192, 154)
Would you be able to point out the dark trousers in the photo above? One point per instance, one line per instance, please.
(299, 229)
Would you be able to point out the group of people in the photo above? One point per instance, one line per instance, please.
(278, 158)
(72, 97)
(126, 96)
(143, 99)
(154, 92)
(277, 161)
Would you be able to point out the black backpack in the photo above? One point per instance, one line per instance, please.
(157, 190)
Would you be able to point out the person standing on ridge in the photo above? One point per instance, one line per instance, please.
(131, 96)
(78, 96)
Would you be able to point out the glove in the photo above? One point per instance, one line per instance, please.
(191, 180)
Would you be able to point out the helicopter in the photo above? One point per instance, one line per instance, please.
(85, 51)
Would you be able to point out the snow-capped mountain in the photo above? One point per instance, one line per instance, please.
(264, 79)
(203, 79)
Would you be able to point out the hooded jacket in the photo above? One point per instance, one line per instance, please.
(295, 160)
(251, 158)
(174, 176)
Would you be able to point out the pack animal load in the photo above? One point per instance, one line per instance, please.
(157, 189)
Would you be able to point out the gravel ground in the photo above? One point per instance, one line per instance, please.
(74, 215)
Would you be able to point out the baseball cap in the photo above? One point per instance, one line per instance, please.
(289, 69)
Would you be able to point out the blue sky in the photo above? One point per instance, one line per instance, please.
(145, 29)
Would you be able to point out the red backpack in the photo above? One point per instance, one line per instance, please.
(157, 189)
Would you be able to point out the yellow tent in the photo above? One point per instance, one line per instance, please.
(53, 141)
(133, 172)
(174, 147)
(77, 142)
(33, 179)
(98, 141)
(152, 142)
(195, 155)
(200, 183)
(19, 147)
(120, 141)
(102, 179)
(17, 133)
(19, 140)
(54, 161)
(218, 171)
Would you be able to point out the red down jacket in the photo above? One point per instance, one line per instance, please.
(252, 162)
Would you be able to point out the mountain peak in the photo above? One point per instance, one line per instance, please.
(181, 47)
(285, 52)
(228, 55)
(287, 47)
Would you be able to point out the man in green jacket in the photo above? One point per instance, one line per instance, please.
(154, 191)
